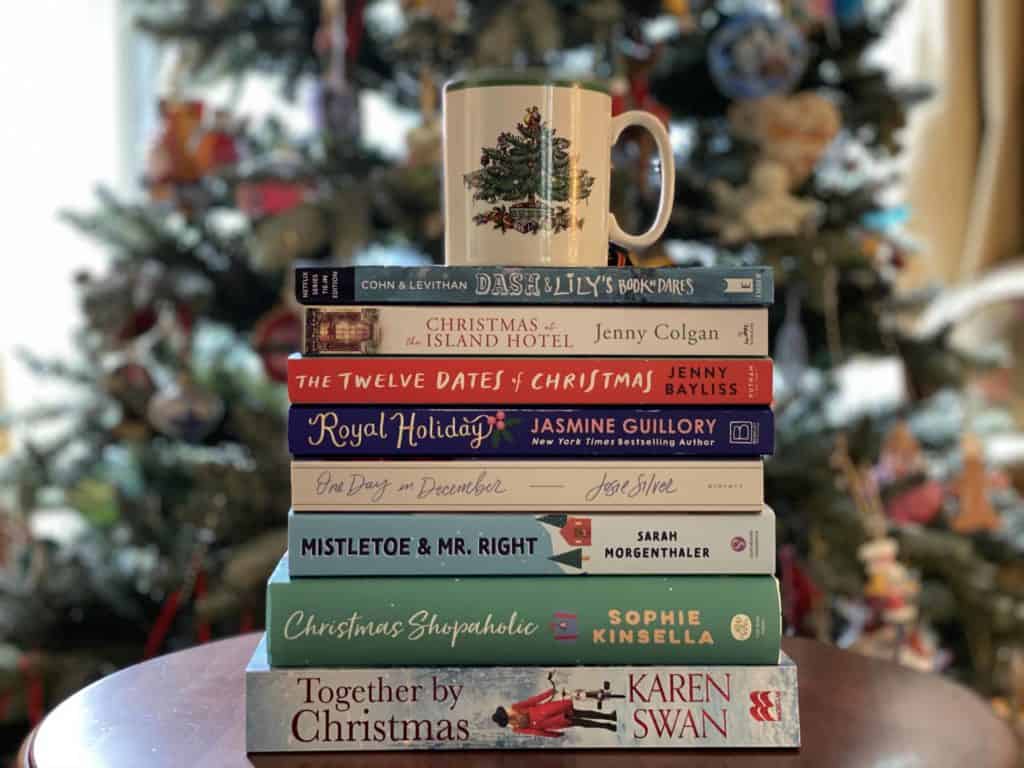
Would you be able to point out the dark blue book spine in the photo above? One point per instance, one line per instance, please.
(739, 286)
(349, 432)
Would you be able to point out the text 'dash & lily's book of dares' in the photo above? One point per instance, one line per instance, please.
(467, 442)
(741, 286)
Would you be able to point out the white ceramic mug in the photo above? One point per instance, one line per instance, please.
(527, 169)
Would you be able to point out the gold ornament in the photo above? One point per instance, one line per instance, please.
(791, 130)
(424, 142)
(976, 512)
(762, 208)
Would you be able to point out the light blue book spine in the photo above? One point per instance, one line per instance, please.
(529, 545)
(338, 709)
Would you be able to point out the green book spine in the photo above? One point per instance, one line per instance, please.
(509, 620)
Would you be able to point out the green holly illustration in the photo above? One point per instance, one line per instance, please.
(502, 429)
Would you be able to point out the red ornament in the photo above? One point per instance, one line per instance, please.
(269, 196)
(172, 158)
(217, 147)
(185, 150)
(921, 504)
(276, 336)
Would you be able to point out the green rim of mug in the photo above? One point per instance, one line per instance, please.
(494, 79)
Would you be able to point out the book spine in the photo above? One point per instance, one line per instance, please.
(529, 545)
(541, 285)
(349, 431)
(553, 485)
(529, 381)
(430, 620)
(332, 709)
(613, 331)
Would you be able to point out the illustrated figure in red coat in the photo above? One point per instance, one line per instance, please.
(543, 715)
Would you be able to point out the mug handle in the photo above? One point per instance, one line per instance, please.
(668, 178)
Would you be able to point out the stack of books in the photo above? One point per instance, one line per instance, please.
(527, 512)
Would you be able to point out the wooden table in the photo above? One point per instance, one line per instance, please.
(186, 710)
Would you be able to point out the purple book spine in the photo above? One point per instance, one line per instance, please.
(353, 431)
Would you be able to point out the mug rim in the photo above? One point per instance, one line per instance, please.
(491, 79)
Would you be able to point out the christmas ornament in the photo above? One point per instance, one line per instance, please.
(423, 145)
(337, 43)
(754, 55)
(184, 411)
(185, 149)
(172, 160)
(890, 586)
(270, 197)
(791, 130)
(762, 208)
(921, 504)
(218, 146)
(424, 140)
(277, 335)
(976, 512)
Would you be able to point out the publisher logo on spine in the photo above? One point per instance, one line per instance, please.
(564, 627)
(738, 285)
(738, 544)
(766, 706)
(741, 627)
(744, 433)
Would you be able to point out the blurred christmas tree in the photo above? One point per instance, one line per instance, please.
(897, 538)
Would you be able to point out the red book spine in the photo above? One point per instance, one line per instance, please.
(530, 381)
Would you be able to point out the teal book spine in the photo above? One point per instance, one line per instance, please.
(542, 621)
(535, 285)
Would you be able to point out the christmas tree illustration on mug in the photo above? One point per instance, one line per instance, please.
(533, 170)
